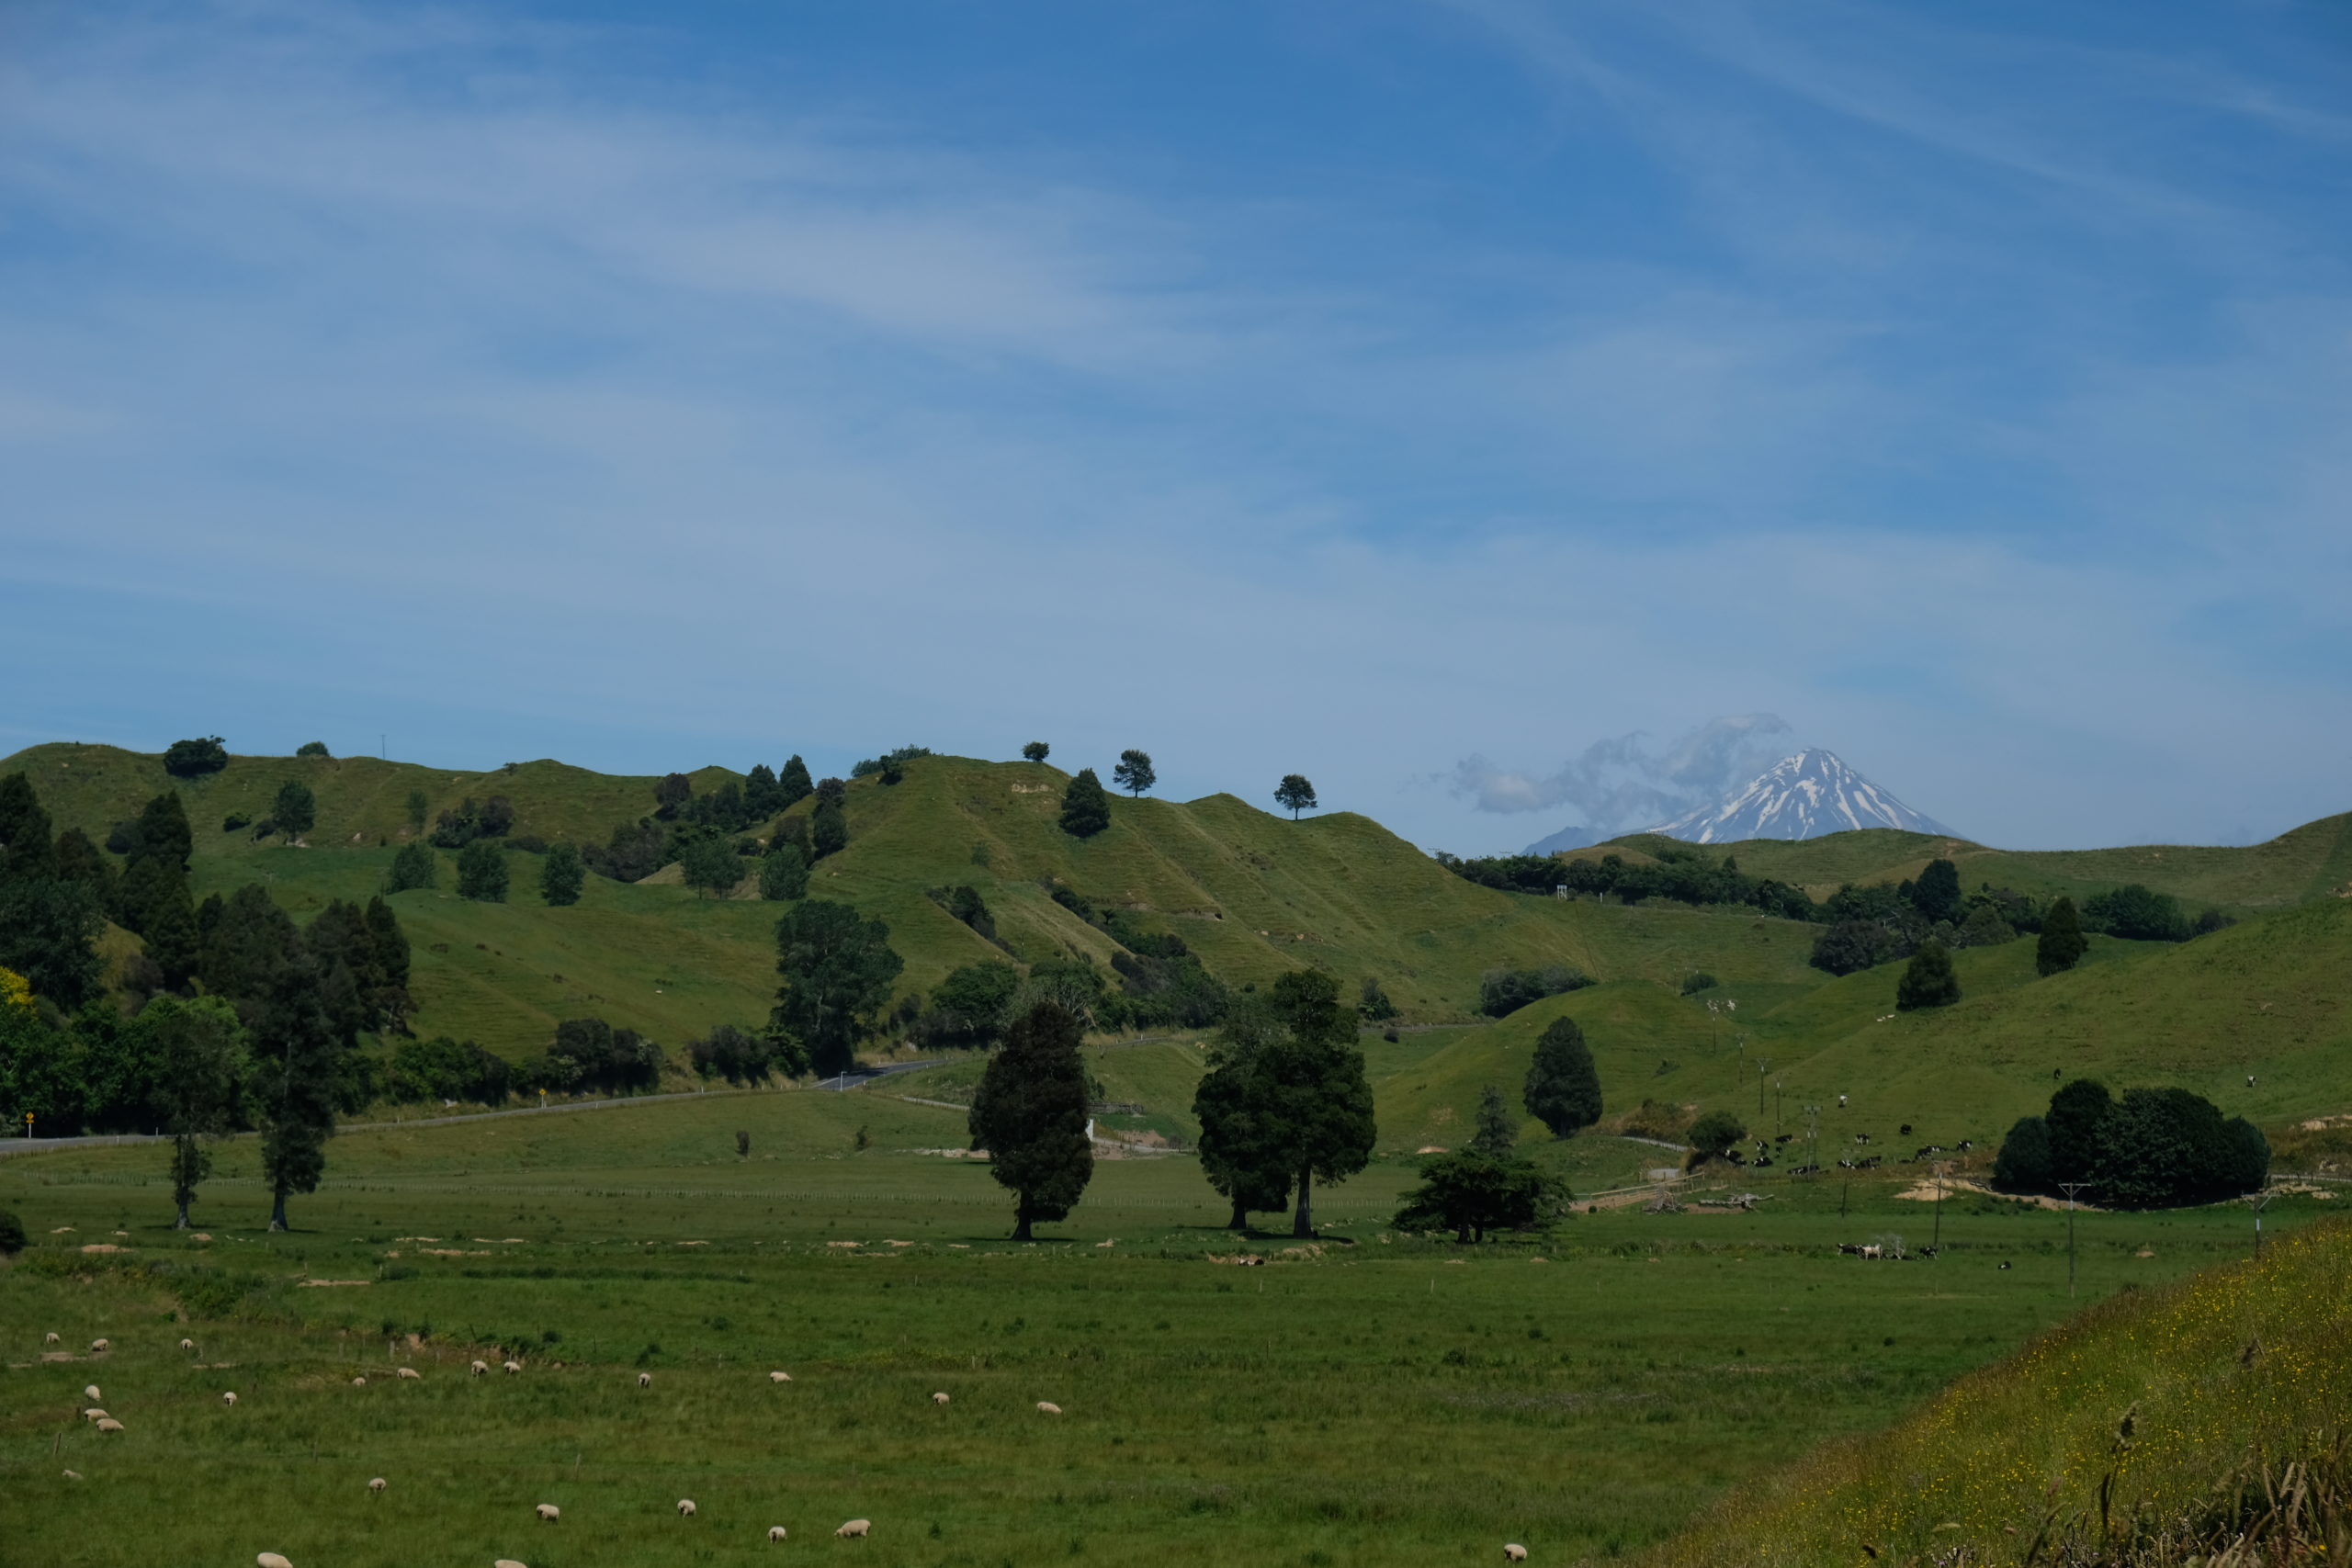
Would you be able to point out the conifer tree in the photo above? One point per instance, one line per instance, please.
(1496, 1138)
(27, 848)
(794, 782)
(2062, 943)
(1030, 1114)
(1086, 809)
(163, 832)
(1928, 981)
(1562, 1090)
(762, 796)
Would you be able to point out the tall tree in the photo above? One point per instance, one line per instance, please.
(784, 872)
(295, 810)
(562, 874)
(1936, 892)
(1296, 794)
(1037, 750)
(1030, 1114)
(49, 933)
(164, 831)
(168, 929)
(671, 792)
(1562, 1090)
(2076, 1125)
(712, 867)
(298, 1054)
(1928, 980)
(1315, 1087)
(1086, 810)
(793, 782)
(1134, 772)
(414, 865)
(762, 796)
(2062, 943)
(838, 971)
(482, 873)
(27, 847)
(827, 828)
(199, 1054)
(1242, 1152)
(79, 860)
(1495, 1136)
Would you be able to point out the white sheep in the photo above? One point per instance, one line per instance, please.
(1048, 1407)
(549, 1512)
(229, 1399)
(90, 1392)
(376, 1484)
(645, 1380)
(939, 1399)
(506, 1562)
(271, 1560)
(410, 1372)
(779, 1377)
(513, 1367)
(187, 1344)
(775, 1533)
(1514, 1553)
(72, 1475)
(99, 1346)
(481, 1369)
(855, 1527)
(686, 1508)
(94, 1414)
(359, 1383)
(109, 1424)
(48, 1339)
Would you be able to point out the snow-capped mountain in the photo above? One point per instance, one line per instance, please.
(1802, 797)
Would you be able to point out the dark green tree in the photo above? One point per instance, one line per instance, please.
(838, 970)
(670, 794)
(1562, 1088)
(2075, 1123)
(12, 1233)
(2062, 943)
(971, 1005)
(150, 884)
(712, 867)
(562, 874)
(827, 828)
(246, 937)
(1134, 772)
(1928, 980)
(1030, 1114)
(49, 931)
(2023, 1163)
(1295, 793)
(482, 873)
(414, 866)
(1936, 892)
(1314, 1083)
(1037, 750)
(762, 796)
(1242, 1151)
(1471, 1192)
(1374, 1003)
(784, 872)
(79, 860)
(168, 928)
(964, 902)
(194, 759)
(1496, 1134)
(1086, 810)
(2167, 1147)
(311, 748)
(298, 1070)
(419, 806)
(295, 810)
(197, 1053)
(794, 782)
(28, 849)
(1713, 1135)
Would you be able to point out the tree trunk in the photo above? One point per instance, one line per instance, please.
(1461, 1233)
(1241, 1221)
(1020, 1222)
(1302, 1225)
(277, 1213)
(181, 1224)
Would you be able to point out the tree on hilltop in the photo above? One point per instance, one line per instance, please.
(1086, 809)
(1030, 1114)
(1037, 750)
(1296, 794)
(670, 794)
(1562, 1090)
(194, 759)
(2062, 943)
(762, 796)
(311, 748)
(1135, 772)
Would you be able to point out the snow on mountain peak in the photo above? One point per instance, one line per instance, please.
(1802, 797)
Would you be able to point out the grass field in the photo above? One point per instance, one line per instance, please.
(1373, 1400)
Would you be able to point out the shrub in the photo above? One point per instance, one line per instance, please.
(2137, 914)
(739, 1057)
(228, 824)
(783, 873)
(414, 866)
(636, 852)
(12, 1235)
(311, 748)
(1086, 809)
(1928, 981)
(194, 759)
(1694, 983)
(1712, 1136)
(1504, 991)
(891, 765)
(482, 873)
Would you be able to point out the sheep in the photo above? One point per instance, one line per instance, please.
(99, 1346)
(94, 1414)
(686, 1508)
(506, 1562)
(1047, 1408)
(939, 1399)
(109, 1424)
(359, 1383)
(187, 1344)
(549, 1512)
(645, 1380)
(779, 1377)
(229, 1399)
(271, 1560)
(50, 1339)
(90, 1392)
(410, 1372)
(775, 1533)
(512, 1368)
(72, 1475)
(376, 1484)
(854, 1528)
(1514, 1553)
(479, 1368)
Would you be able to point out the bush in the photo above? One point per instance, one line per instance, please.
(2137, 914)
(562, 875)
(783, 873)
(12, 1235)
(228, 824)
(1713, 1135)
(1700, 981)
(636, 852)
(471, 820)
(891, 765)
(311, 748)
(482, 873)
(1928, 981)
(590, 1054)
(412, 867)
(194, 759)
(735, 1054)
(971, 1005)
(1504, 991)
(443, 1068)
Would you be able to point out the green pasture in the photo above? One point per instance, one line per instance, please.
(1370, 1399)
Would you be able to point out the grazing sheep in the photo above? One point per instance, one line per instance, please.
(94, 1414)
(939, 1399)
(90, 1392)
(410, 1372)
(513, 1367)
(1514, 1553)
(645, 1380)
(109, 1424)
(72, 1475)
(481, 1369)
(187, 1344)
(1048, 1408)
(50, 1339)
(775, 1533)
(506, 1562)
(98, 1347)
(229, 1400)
(271, 1560)
(686, 1508)
(549, 1512)
(376, 1484)
(779, 1377)
(855, 1527)
(359, 1383)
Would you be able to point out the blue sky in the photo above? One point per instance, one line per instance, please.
(1410, 395)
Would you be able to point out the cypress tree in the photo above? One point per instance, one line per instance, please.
(2062, 943)
(1928, 981)
(794, 782)
(1936, 892)
(164, 831)
(1562, 1090)
(170, 934)
(1030, 1114)
(1086, 809)
(1496, 1138)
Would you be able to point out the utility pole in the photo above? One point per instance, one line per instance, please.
(1813, 1137)
(1763, 1067)
(2258, 1200)
(2070, 1188)
(1775, 1107)
(1941, 1168)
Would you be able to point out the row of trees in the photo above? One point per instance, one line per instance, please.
(2151, 1148)
(1674, 872)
